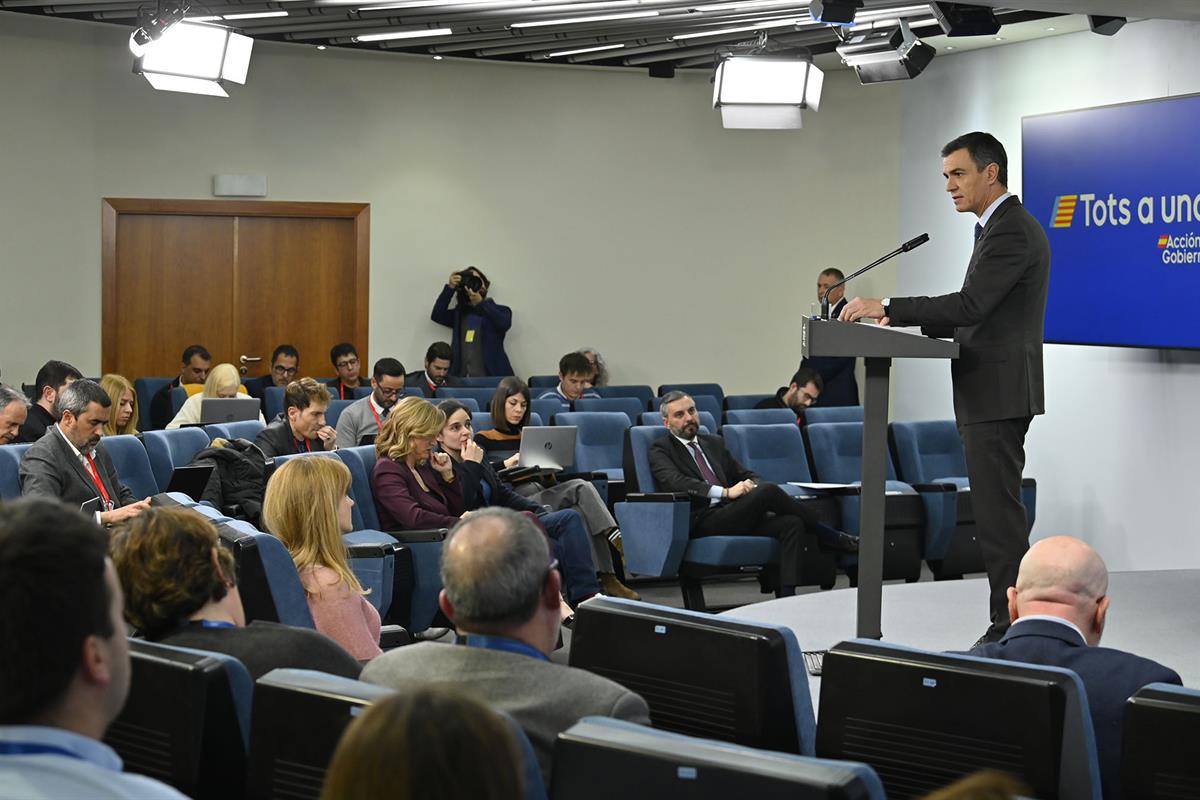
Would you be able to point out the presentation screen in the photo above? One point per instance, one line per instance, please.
(1118, 192)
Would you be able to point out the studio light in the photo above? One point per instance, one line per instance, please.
(834, 12)
(152, 26)
(887, 54)
(959, 19)
(766, 92)
(1105, 26)
(195, 58)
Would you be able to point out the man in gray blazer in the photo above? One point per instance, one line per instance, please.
(502, 591)
(997, 318)
(66, 465)
(364, 417)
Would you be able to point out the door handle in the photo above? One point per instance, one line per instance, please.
(250, 359)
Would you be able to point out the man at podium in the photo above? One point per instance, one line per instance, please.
(997, 319)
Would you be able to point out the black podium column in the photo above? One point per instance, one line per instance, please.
(874, 477)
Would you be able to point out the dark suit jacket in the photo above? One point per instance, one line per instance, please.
(675, 469)
(160, 406)
(256, 387)
(38, 421)
(997, 318)
(837, 373)
(472, 477)
(50, 469)
(1109, 677)
(403, 505)
(277, 440)
(496, 320)
(416, 380)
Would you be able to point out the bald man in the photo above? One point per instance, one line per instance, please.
(1058, 609)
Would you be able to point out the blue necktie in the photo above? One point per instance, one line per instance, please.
(978, 231)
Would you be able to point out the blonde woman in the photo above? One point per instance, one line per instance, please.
(123, 418)
(307, 505)
(224, 380)
(414, 487)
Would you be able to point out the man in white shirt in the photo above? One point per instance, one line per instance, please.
(65, 667)
(365, 417)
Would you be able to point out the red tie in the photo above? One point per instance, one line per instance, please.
(91, 468)
(705, 470)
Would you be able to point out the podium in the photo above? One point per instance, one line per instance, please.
(877, 346)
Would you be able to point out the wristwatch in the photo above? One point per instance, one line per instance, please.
(885, 302)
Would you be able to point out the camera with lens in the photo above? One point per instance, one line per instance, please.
(471, 282)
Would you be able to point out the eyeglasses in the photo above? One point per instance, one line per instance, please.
(351, 362)
(281, 370)
(386, 392)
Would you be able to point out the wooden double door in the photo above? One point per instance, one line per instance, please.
(238, 277)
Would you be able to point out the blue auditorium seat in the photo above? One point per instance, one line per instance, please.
(542, 382)
(481, 421)
(481, 381)
(362, 391)
(170, 449)
(707, 420)
(247, 429)
(481, 395)
(761, 416)
(704, 403)
(263, 557)
(744, 401)
(10, 470)
(632, 407)
(599, 440)
(641, 392)
(775, 452)
(272, 402)
(535, 419)
(710, 389)
(545, 409)
(334, 412)
(179, 396)
(145, 389)
(132, 464)
(818, 414)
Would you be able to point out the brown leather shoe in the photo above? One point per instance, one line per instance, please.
(612, 587)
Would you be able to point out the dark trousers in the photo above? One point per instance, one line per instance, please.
(995, 454)
(766, 511)
(573, 549)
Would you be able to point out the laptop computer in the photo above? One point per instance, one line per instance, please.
(191, 480)
(548, 447)
(215, 410)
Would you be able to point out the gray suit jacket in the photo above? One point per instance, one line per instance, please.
(544, 698)
(997, 318)
(356, 422)
(50, 469)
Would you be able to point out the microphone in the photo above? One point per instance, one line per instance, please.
(911, 244)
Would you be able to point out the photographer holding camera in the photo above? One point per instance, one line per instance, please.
(479, 325)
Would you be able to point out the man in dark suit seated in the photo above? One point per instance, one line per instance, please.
(727, 498)
(1058, 608)
(436, 373)
(66, 465)
(803, 392)
(51, 379)
(502, 591)
(14, 408)
(837, 372)
(285, 364)
(301, 428)
(195, 364)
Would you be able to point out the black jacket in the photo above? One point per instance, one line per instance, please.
(473, 476)
(675, 469)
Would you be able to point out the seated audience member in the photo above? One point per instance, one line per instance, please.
(124, 417)
(727, 498)
(837, 372)
(344, 358)
(436, 373)
(285, 365)
(479, 324)
(985, 785)
(414, 487)
(222, 382)
(66, 465)
(194, 369)
(599, 367)
(391, 750)
(482, 486)
(502, 593)
(301, 427)
(1058, 609)
(510, 414)
(798, 395)
(574, 379)
(50, 380)
(365, 416)
(65, 669)
(308, 505)
(14, 408)
(181, 589)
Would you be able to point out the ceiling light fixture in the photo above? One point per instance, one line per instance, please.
(759, 90)
(887, 54)
(958, 19)
(1105, 26)
(834, 12)
(585, 50)
(195, 58)
(583, 20)
(417, 34)
(152, 25)
(741, 29)
(256, 15)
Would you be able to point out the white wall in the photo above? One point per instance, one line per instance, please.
(604, 205)
(1114, 454)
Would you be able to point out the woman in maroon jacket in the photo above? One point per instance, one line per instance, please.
(414, 487)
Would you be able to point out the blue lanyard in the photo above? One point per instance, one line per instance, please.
(34, 748)
(506, 645)
(212, 623)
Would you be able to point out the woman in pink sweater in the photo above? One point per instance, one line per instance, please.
(307, 506)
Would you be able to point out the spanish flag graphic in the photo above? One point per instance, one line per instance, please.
(1163, 241)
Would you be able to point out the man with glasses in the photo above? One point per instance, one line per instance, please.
(365, 417)
(285, 364)
(502, 593)
(806, 386)
(344, 358)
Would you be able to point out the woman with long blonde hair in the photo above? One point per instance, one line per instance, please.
(123, 418)
(414, 487)
(223, 380)
(308, 506)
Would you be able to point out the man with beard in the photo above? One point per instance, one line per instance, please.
(365, 417)
(66, 465)
(801, 393)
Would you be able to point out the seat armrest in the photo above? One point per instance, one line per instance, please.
(656, 497)
(838, 491)
(392, 636)
(368, 549)
(1029, 482)
(418, 536)
(934, 487)
(654, 529)
(587, 476)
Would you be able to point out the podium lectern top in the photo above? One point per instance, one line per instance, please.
(829, 337)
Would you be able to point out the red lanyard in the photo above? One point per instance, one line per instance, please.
(378, 421)
(99, 483)
(341, 391)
